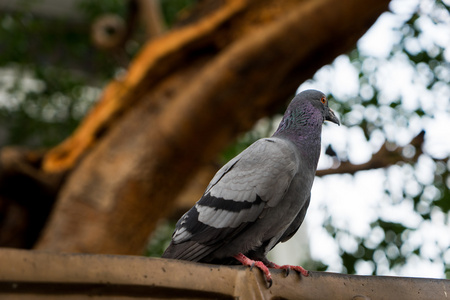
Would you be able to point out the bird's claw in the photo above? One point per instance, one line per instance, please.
(288, 268)
(259, 264)
(287, 271)
(265, 270)
(268, 282)
(300, 270)
(251, 266)
(267, 276)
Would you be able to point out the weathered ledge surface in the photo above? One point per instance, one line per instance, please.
(43, 275)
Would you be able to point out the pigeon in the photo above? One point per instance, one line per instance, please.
(260, 197)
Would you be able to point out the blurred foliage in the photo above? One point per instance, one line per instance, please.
(172, 9)
(375, 112)
(383, 113)
(50, 74)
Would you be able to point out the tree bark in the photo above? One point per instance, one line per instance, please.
(185, 97)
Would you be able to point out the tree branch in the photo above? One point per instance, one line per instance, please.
(385, 157)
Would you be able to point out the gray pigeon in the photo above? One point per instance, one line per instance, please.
(260, 197)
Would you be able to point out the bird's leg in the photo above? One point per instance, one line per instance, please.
(255, 263)
(288, 268)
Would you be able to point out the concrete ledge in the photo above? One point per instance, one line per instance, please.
(42, 275)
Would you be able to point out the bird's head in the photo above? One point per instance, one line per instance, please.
(320, 102)
(306, 114)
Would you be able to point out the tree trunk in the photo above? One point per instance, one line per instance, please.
(186, 96)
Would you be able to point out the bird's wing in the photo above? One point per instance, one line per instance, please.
(236, 196)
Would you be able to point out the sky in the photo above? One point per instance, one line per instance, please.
(356, 201)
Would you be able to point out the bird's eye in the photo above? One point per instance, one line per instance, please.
(323, 100)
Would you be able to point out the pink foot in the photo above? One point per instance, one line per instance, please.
(288, 268)
(259, 264)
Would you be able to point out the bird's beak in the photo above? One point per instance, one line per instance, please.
(332, 117)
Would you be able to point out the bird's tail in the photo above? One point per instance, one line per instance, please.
(190, 251)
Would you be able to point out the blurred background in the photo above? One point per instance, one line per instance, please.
(370, 213)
